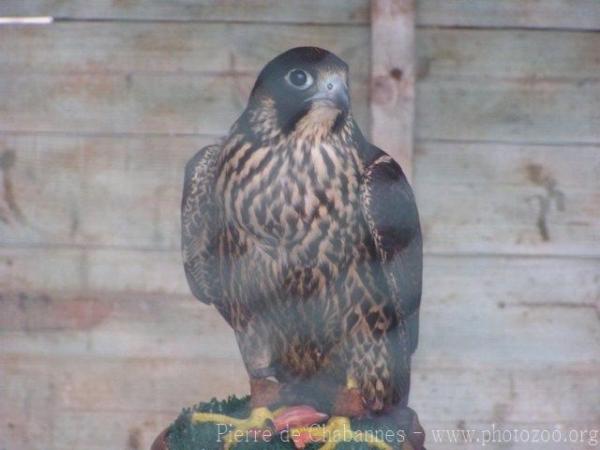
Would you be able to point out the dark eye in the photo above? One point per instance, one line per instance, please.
(298, 78)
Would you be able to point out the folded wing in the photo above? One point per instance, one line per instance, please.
(389, 207)
(201, 225)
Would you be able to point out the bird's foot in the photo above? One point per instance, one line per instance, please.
(349, 402)
(338, 429)
(407, 421)
(262, 423)
(264, 392)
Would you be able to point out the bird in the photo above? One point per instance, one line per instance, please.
(306, 238)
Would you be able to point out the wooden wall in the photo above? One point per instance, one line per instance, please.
(101, 341)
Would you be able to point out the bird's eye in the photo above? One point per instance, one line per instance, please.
(298, 78)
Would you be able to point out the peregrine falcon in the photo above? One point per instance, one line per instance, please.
(306, 239)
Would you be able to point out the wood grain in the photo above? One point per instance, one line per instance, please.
(63, 351)
(553, 97)
(139, 103)
(124, 192)
(582, 14)
(35, 418)
(504, 111)
(536, 111)
(168, 47)
(108, 191)
(309, 11)
(80, 269)
(585, 14)
(521, 56)
(61, 397)
(165, 386)
(100, 111)
(468, 305)
(109, 47)
(393, 78)
(95, 340)
(512, 199)
(503, 396)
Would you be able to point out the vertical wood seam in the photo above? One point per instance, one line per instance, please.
(392, 88)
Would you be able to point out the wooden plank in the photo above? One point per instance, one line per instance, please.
(89, 270)
(583, 14)
(469, 306)
(503, 396)
(60, 348)
(125, 192)
(392, 78)
(498, 110)
(524, 99)
(18, 413)
(496, 198)
(57, 269)
(471, 335)
(129, 430)
(114, 325)
(110, 47)
(68, 403)
(25, 166)
(144, 177)
(164, 386)
(139, 103)
(92, 188)
(532, 282)
(532, 55)
(150, 393)
(494, 323)
(483, 13)
(309, 11)
(158, 385)
(459, 109)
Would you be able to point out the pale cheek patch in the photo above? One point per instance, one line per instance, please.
(318, 120)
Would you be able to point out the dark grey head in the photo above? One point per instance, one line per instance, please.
(300, 80)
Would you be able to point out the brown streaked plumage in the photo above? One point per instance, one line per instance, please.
(306, 237)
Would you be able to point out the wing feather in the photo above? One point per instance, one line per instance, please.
(389, 207)
(201, 225)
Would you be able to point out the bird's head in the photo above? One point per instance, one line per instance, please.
(303, 87)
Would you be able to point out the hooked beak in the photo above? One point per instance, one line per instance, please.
(333, 89)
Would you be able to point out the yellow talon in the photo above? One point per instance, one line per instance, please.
(351, 383)
(337, 430)
(257, 420)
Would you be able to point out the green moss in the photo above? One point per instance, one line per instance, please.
(185, 435)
